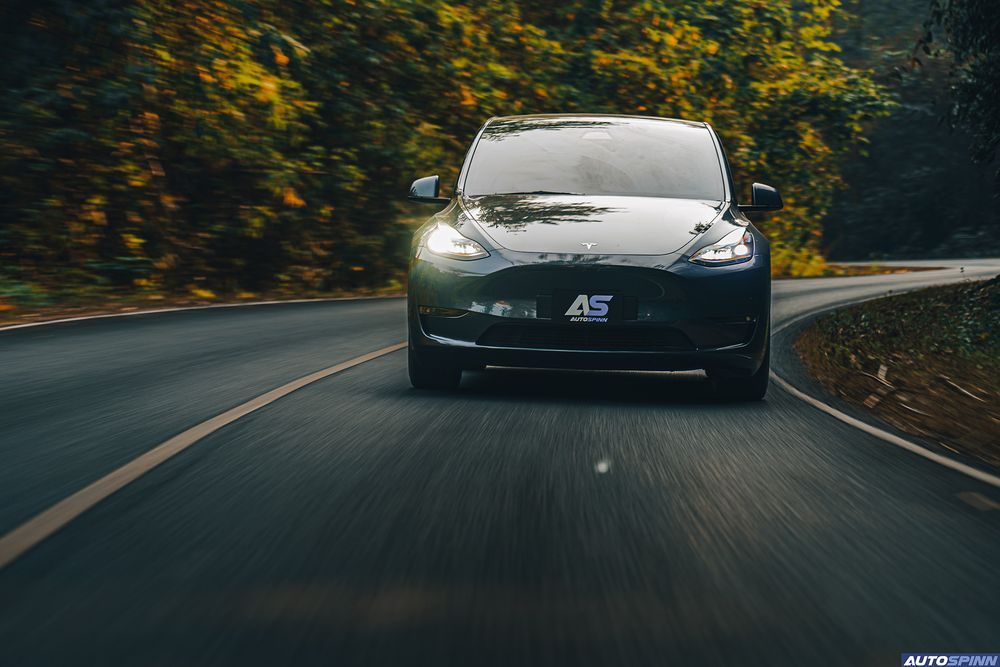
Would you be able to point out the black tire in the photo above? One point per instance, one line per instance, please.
(430, 373)
(743, 387)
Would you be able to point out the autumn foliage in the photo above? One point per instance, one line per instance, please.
(235, 145)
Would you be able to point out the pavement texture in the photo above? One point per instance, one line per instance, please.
(528, 518)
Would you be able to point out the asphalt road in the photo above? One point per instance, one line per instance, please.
(530, 517)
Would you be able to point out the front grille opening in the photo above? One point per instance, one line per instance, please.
(584, 337)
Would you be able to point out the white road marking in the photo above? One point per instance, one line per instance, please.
(176, 309)
(975, 473)
(43, 525)
(958, 466)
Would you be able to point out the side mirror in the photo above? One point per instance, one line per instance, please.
(425, 190)
(764, 198)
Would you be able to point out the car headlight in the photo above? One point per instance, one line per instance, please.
(733, 248)
(446, 241)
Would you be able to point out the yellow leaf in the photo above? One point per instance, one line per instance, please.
(291, 198)
(468, 100)
(133, 242)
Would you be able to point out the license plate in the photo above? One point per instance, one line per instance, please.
(586, 307)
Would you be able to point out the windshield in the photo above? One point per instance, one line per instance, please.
(596, 156)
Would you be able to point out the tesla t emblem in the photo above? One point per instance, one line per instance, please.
(588, 246)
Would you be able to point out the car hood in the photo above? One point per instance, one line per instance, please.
(609, 225)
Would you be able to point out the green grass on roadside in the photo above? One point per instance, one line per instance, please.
(961, 320)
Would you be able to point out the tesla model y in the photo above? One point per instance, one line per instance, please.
(592, 242)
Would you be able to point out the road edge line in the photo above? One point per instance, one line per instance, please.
(210, 306)
(958, 466)
(46, 523)
(870, 429)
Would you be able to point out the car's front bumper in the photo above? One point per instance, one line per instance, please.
(680, 315)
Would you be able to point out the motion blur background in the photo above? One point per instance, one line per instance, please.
(235, 148)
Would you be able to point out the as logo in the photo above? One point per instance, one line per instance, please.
(592, 309)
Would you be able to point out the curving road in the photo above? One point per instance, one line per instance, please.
(531, 517)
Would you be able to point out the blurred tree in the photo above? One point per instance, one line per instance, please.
(970, 33)
(145, 144)
(912, 189)
(64, 96)
(223, 145)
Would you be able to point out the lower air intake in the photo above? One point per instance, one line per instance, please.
(584, 337)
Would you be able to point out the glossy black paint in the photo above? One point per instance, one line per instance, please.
(425, 191)
(614, 225)
(683, 315)
(763, 198)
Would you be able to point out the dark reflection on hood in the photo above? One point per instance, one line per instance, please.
(515, 212)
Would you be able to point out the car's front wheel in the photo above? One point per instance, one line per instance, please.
(743, 387)
(426, 373)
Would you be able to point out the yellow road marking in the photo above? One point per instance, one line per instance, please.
(41, 526)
